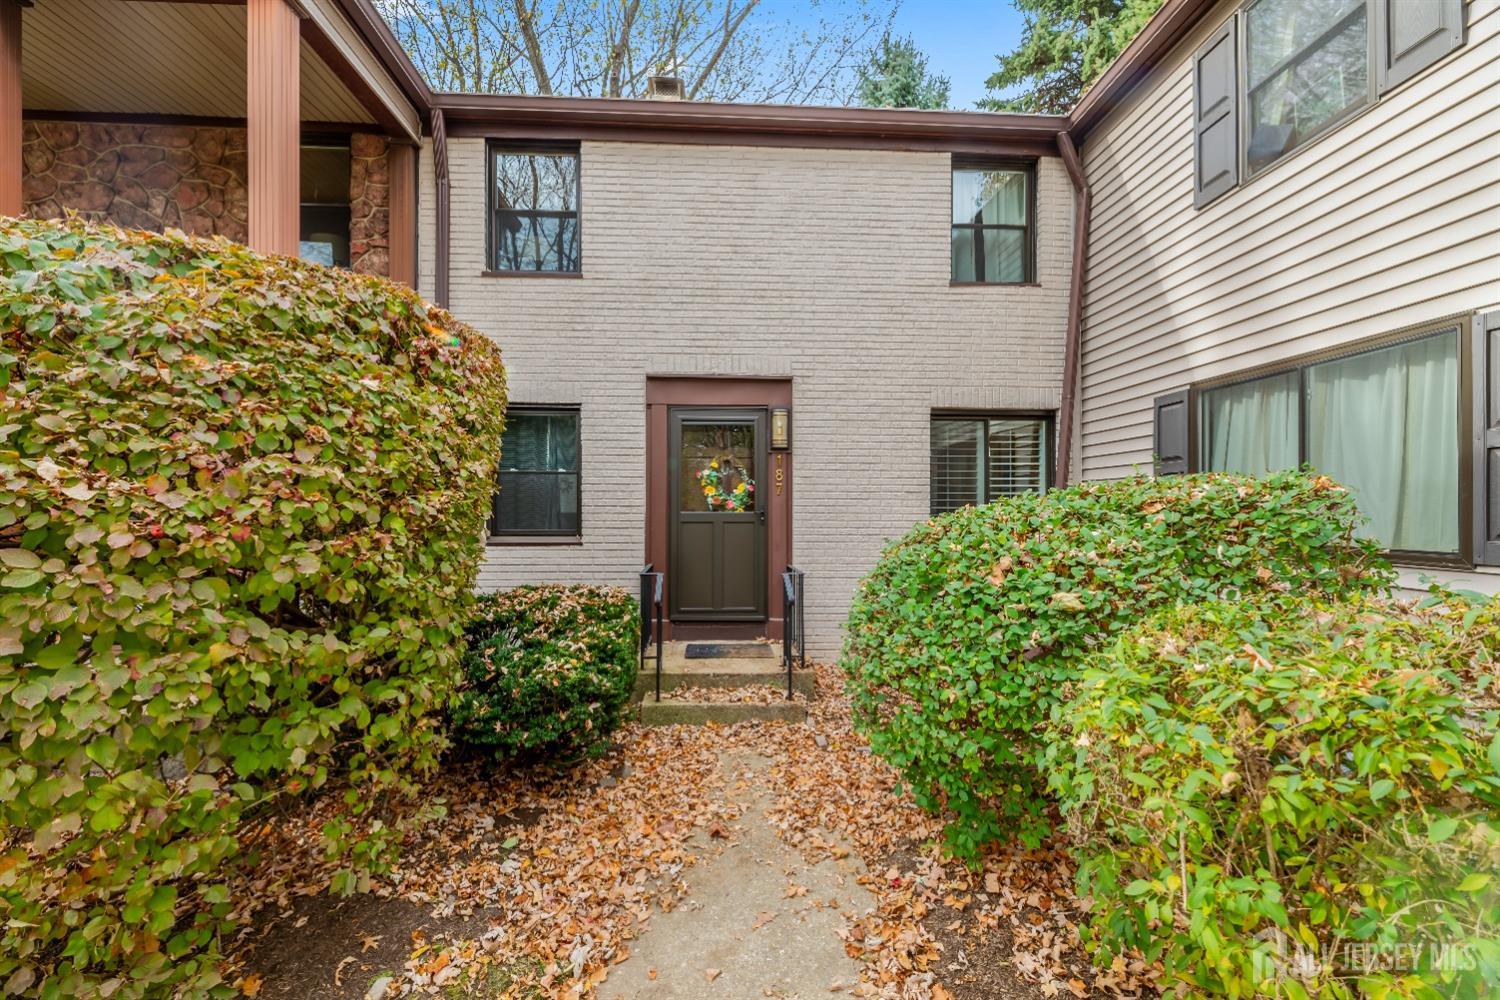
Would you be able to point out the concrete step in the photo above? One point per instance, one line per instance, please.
(725, 713)
(804, 682)
(678, 671)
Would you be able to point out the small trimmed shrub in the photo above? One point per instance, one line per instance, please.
(969, 629)
(1267, 797)
(241, 503)
(548, 672)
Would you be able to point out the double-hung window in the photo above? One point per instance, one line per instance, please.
(1307, 66)
(993, 213)
(533, 202)
(979, 459)
(1383, 421)
(538, 481)
(1278, 73)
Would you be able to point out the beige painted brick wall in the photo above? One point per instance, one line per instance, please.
(830, 267)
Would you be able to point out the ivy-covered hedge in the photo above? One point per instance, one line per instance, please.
(1272, 799)
(241, 500)
(971, 627)
(547, 672)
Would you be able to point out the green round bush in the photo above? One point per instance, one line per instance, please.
(970, 628)
(241, 504)
(547, 672)
(1274, 798)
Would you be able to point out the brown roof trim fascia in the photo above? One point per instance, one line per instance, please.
(1167, 27)
(1072, 345)
(377, 35)
(514, 116)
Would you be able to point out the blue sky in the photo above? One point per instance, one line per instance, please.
(961, 37)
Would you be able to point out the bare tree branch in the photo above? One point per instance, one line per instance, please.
(526, 24)
(730, 30)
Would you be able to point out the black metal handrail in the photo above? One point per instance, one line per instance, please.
(651, 590)
(793, 624)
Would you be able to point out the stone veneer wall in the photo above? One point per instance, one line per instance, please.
(141, 176)
(186, 177)
(369, 204)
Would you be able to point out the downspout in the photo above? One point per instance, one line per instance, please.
(1073, 345)
(443, 207)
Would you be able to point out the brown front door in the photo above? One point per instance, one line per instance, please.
(716, 459)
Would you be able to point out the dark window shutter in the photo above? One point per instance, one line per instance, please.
(1486, 376)
(1411, 35)
(1216, 148)
(1170, 444)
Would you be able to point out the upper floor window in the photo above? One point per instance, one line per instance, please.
(1279, 73)
(977, 460)
(1307, 66)
(533, 201)
(993, 209)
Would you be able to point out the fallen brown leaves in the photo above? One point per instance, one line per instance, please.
(568, 868)
(753, 694)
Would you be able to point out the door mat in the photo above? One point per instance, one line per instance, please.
(723, 650)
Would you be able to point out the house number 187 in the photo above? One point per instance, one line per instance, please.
(780, 475)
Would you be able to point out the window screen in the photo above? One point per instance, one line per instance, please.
(538, 488)
(1307, 65)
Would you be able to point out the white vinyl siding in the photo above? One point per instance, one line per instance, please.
(1389, 220)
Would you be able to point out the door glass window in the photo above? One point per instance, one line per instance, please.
(717, 468)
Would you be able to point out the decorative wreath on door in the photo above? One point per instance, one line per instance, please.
(718, 498)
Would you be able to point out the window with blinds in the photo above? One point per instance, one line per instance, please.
(976, 460)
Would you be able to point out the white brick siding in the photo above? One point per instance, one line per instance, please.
(830, 267)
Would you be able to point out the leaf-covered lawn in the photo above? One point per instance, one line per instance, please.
(543, 881)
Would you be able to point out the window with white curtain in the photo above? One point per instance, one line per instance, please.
(1383, 422)
(992, 222)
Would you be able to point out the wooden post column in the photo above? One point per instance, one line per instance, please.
(273, 126)
(10, 107)
(402, 162)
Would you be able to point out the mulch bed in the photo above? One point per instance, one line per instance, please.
(536, 882)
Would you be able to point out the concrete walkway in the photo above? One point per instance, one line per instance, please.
(757, 921)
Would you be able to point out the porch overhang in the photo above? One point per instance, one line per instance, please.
(217, 97)
(188, 60)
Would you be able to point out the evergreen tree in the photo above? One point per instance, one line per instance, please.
(895, 76)
(1067, 44)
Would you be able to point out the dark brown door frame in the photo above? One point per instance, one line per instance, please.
(665, 392)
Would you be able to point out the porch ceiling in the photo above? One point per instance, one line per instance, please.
(134, 57)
